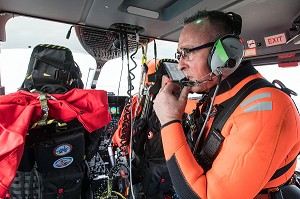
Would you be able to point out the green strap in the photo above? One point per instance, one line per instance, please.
(45, 109)
(221, 52)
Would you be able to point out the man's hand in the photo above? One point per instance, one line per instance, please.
(170, 102)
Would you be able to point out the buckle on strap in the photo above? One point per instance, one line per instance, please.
(272, 190)
(43, 98)
(45, 109)
(275, 193)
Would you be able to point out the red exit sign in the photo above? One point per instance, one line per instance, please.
(275, 40)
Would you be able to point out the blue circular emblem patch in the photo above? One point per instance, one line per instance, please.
(62, 162)
(62, 149)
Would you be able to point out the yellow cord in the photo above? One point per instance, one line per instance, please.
(105, 195)
(119, 194)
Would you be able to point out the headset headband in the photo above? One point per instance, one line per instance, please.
(236, 23)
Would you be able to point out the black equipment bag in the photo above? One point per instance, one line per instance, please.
(52, 69)
(56, 152)
(63, 183)
(53, 146)
(58, 145)
(155, 178)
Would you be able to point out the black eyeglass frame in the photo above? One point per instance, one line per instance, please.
(185, 51)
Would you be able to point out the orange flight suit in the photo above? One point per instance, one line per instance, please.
(261, 136)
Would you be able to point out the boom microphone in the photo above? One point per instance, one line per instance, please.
(186, 82)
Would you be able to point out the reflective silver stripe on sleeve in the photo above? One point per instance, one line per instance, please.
(255, 97)
(261, 106)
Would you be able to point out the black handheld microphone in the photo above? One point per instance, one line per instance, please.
(178, 77)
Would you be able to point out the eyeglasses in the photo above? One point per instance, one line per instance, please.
(184, 53)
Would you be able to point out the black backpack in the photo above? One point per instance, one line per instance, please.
(52, 69)
(53, 165)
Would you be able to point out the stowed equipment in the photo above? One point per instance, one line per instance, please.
(52, 69)
(141, 120)
(147, 143)
(54, 161)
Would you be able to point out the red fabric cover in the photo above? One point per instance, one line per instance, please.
(21, 109)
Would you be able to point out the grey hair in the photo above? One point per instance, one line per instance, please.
(219, 23)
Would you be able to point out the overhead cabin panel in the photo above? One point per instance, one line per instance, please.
(160, 19)
(69, 11)
(262, 19)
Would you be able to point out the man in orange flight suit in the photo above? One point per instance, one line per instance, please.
(261, 136)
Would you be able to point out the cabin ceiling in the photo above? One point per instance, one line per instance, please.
(258, 17)
(163, 18)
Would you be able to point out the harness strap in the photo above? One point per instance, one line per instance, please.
(282, 170)
(43, 98)
(233, 102)
(279, 172)
(45, 109)
(214, 140)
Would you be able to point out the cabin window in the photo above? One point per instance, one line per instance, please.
(24, 33)
(288, 76)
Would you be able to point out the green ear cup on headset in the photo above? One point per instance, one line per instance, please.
(226, 55)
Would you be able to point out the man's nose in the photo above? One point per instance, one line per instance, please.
(181, 65)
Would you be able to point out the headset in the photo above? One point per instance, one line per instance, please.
(228, 51)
